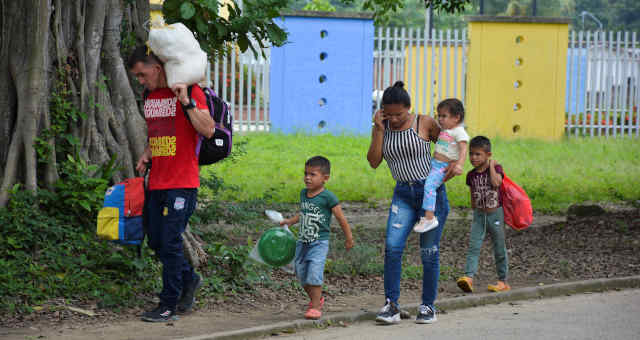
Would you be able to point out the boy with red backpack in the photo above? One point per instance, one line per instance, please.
(484, 181)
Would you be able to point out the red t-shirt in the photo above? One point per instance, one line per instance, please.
(483, 194)
(172, 140)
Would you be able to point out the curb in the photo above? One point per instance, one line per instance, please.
(467, 301)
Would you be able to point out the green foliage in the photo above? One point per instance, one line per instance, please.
(44, 255)
(362, 259)
(319, 5)
(62, 114)
(214, 31)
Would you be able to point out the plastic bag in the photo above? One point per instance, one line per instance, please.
(175, 45)
(255, 253)
(516, 205)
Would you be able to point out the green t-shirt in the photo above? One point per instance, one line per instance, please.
(315, 215)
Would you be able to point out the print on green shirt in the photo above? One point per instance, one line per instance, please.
(315, 215)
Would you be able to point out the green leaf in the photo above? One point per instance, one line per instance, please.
(187, 10)
(203, 28)
(85, 205)
(243, 42)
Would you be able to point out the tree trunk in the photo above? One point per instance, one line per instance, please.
(81, 39)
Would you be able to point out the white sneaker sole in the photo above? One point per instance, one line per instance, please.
(389, 321)
(423, 322)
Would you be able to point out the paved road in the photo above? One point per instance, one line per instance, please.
(601, 316)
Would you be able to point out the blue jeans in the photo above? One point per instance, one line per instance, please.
(309, 262)
(405, 210)
(168, 212)
(433, 182)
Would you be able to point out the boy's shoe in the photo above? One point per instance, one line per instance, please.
(425, 225)
(188, 296)
(160, 314)
(389, 314)
(321, 303)
(501, 286)
(313, 314)
(426, 314)
(466, 284)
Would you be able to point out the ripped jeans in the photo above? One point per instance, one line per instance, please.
(406, 208)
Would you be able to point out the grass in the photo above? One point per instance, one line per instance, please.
(554, 174)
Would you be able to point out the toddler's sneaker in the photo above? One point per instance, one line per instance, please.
(389, 314)
(425, 225)
(466, 284)
(160, 314)
(426, 314)
(501, 286)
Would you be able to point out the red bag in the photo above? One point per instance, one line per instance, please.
(516, 205)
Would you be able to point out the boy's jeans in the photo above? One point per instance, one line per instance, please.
(492, 222)
(406, 208)
(168, 213)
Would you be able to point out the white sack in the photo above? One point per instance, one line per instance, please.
(178, 49)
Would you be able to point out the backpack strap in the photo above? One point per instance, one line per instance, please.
(189, 89)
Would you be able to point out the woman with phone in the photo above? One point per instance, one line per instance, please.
(403, 140)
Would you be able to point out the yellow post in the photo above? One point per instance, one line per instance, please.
(517, 76)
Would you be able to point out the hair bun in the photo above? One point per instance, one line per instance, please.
(399, 84)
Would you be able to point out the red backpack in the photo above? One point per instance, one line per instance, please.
(516, 205)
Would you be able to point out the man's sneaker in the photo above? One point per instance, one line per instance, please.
(466, 284)
(501, 286)
(160, 314)
(425, 225)
(426, 314)
(188, 296)
(389, 314)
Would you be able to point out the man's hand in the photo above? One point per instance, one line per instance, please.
(141, 166)
(181, 91)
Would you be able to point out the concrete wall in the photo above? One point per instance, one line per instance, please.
(321, 81)
(517, 76)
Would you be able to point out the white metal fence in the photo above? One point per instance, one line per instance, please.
(430, 74)
(242, 80)
(603, 92)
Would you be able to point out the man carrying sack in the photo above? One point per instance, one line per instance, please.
(173, 120)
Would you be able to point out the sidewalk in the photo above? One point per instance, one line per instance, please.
(545, 291)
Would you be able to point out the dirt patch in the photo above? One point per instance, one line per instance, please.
(555, 249)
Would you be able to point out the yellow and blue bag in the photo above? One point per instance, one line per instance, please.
(121, 218)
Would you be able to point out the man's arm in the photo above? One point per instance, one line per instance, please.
(199, 117)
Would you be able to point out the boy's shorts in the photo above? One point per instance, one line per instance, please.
(309, 262)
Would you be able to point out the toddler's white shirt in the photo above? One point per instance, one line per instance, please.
(448, 140)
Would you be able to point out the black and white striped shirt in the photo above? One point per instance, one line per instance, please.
(406, 153)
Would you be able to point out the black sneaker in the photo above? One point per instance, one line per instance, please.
(188, 296)
(389, 314)
(160, 314)
(426, 314)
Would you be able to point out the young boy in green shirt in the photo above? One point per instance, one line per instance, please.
(317, 204)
